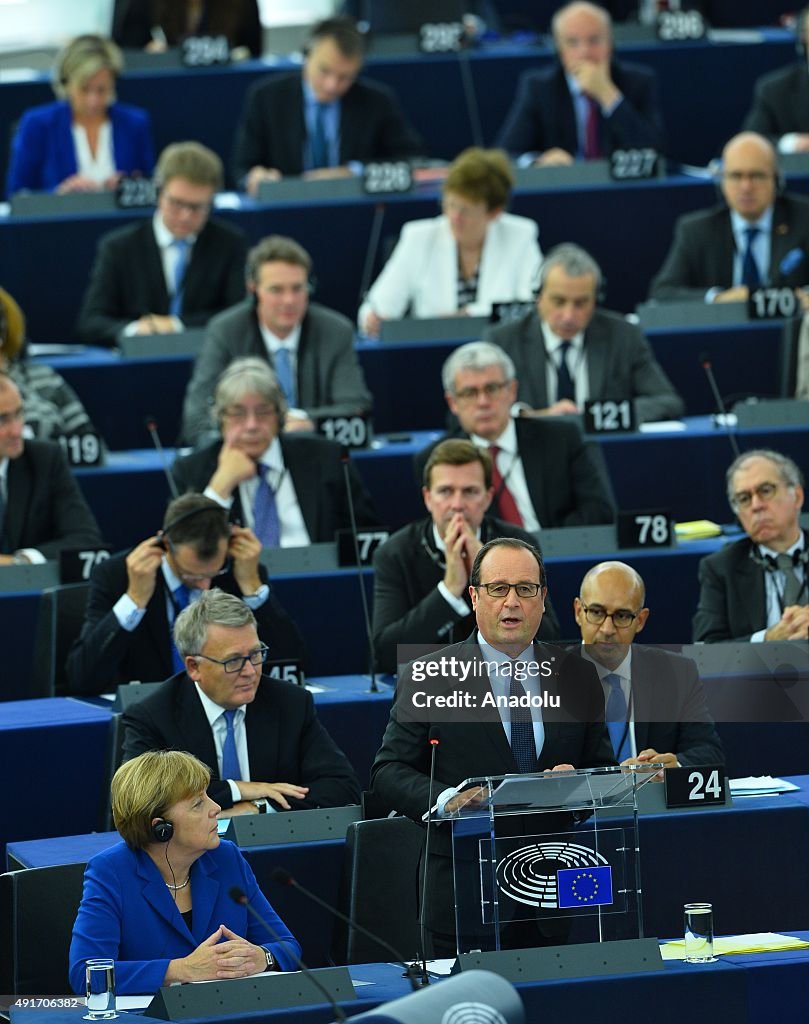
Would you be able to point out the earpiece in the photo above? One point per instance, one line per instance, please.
(162, 830)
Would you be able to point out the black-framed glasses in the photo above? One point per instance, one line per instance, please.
(489, 390)
(621, 617)
(237, 663)
(196, 577)
(502, 589)
(765, 491)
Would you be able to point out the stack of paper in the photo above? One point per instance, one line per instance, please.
(758, 942)
(761, 785)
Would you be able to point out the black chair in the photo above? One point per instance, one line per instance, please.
(61, 616)
(379, 890)
(37, 909)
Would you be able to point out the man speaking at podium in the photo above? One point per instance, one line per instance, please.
(508, 588)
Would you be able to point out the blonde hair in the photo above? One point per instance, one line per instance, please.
(12, 326)
(147, 786)
(82, 58)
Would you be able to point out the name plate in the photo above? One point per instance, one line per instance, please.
(367, 542)
(680, 26)
(604, 416)
(76, 564)
(350, 431)
(285, 671)
(82, 449)
(205, 51)
(644, 529)
(387, 178)
(634, 164)
(695, 787)
(441, 36)
(772, 304)
(134, 192)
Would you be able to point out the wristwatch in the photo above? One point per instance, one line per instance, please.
(262, 807)
(272, 964)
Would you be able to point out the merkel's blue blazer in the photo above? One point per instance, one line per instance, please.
(127, 913)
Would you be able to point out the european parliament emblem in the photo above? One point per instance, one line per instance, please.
(584, 887)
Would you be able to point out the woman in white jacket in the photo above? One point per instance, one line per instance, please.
(471, 256)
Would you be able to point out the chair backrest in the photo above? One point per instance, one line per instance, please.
(37, 909)
(61, 616)
(379, 890)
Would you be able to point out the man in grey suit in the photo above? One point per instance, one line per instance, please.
(173, 271)
(568, 351)
(310, 347)
(759, 238)
(655, 705)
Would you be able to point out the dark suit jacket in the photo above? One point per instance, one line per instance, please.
(542, 115)
(286, 741)
(316, 468)
(620, 364)
(127, 280)
(669, 707)
(701, 256)
(566, 476)
(732, 595)
(475, 744)
(133, 20)
(127, 913)
(45, 508)
(43, 153)
(105, 655)
(781, 103)
(408, 608)
(272, 130)
(329, 376)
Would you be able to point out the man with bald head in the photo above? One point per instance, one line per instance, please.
(655, 705)
(756, 588)
(757, 237)
(586, 104)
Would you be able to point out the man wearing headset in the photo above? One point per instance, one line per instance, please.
(568, 350)
(310, 347)
(756, 588)
(781, 102)
(757, 237)
(135, 597)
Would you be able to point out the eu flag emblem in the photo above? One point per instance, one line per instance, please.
(584, 887)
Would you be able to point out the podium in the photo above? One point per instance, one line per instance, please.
(548, 859)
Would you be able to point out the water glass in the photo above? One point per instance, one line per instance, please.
(100, 990)
(699, 933)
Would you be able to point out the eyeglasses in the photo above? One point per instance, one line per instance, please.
(754, 177)
(765, 491)
(196, 577)
(182, 204)
(236, 664)
(502, 589)
(489, 390)
(621, 618)
(239, 413)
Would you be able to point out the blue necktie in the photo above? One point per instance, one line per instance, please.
(231, 769)
(181, 596)
(616, 717)
(522, 731)
(564, 382)
(266, 524)
(182, 247)
(286, 378)
(750, 272)
(319, 142)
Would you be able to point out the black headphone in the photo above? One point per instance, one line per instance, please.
(162, 830)
(166, 530)
(799, 557)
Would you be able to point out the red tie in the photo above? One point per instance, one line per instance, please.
(592, 150)
(504, 499)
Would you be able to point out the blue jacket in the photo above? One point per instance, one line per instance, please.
(43, 154)
(127, 913)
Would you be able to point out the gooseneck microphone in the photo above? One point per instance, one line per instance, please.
(369, 635)
(434, 739)
(283, 877)
(151, 426)
(705, 362)
(239, 896)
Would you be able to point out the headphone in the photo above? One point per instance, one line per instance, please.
(162, 830)
(162, 534)
(769, 564)
(716, 170)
